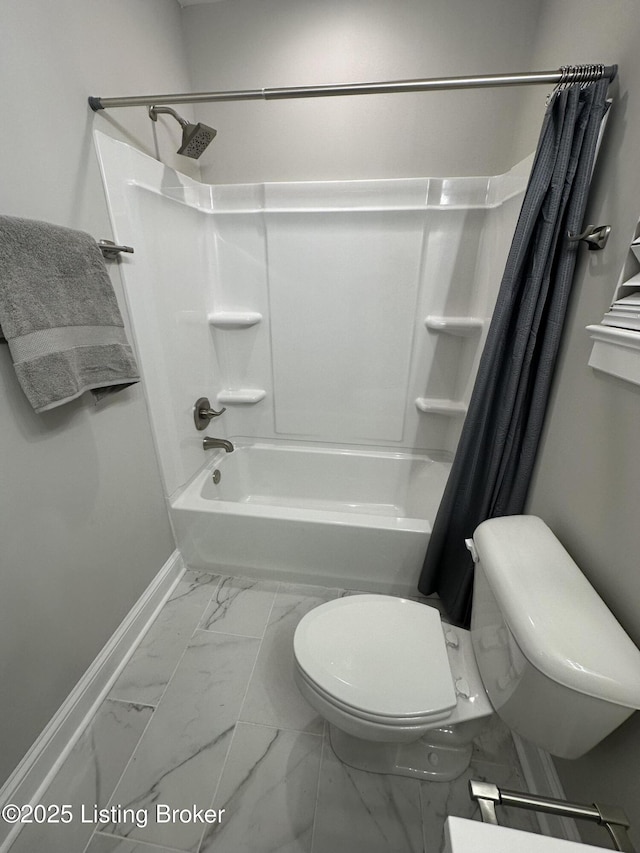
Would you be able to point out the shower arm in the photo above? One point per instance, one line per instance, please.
(154, 112)
(565, 76)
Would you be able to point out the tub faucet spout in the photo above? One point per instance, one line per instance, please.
(209, 443)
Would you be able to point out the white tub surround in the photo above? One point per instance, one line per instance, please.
(341, 312)
(358, 518)
(346, 315)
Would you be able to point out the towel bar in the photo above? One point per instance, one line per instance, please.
(111, 250)
(612, 818)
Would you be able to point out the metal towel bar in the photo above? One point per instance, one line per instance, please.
(611, 817)
(110, 250)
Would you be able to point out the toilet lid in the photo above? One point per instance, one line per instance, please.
(377, 654)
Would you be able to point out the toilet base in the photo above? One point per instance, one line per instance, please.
(440, 755)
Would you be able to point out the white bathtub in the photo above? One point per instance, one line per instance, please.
(354, 519)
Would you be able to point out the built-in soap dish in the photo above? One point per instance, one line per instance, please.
(440, 406)
(462, 326)
(234, 319)
(241, 396)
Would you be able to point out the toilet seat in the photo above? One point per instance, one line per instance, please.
(380, 659)
(380, 719)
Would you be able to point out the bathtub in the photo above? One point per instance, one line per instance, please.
(346, 518)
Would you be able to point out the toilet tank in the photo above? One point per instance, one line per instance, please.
(557, 666)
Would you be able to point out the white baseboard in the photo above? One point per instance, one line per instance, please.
(36, 770)
(542, 779)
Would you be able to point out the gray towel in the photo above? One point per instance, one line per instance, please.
(59, 314)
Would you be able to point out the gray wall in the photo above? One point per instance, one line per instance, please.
(587, 485)
(83, 526)
(249, 44)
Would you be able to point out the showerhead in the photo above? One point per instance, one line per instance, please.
(195, 137)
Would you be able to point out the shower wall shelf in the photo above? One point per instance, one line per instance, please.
(440, 406)
(616, 351)
(616, 348)
(461, 326)
(234, 319)
(241, 396)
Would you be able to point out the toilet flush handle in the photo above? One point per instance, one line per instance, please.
(471, 547)
(451, 639)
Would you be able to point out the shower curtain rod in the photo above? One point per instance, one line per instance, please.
(565, 75)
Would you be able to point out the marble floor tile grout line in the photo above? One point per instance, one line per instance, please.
(145, 844)
(197, 632)
(213, 804)
(235, 579)
(244, 696)
(169, 680)
(115, 787)
(423, 812)
(279, 728)
(253, 668)
(281, 587)
(130, 702)
(179, 661)
(193, 633)
(315, 809)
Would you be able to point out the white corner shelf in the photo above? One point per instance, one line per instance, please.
(241, 396)
(440, 406)
(616, 351)
(234, 319)
(462, 326)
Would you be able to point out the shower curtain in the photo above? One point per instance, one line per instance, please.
(496, 453)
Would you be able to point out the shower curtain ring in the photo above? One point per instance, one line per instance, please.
(586, 76)
(564, 74)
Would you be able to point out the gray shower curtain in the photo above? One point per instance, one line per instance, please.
(496, 453)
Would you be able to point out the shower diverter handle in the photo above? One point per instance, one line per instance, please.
(203, 413)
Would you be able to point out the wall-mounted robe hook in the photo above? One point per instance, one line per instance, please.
(595, 236)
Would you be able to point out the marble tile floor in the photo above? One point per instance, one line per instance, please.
(206, 715)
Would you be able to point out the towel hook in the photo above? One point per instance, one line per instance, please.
(595, 236)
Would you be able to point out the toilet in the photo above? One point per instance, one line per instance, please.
(405, 693)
